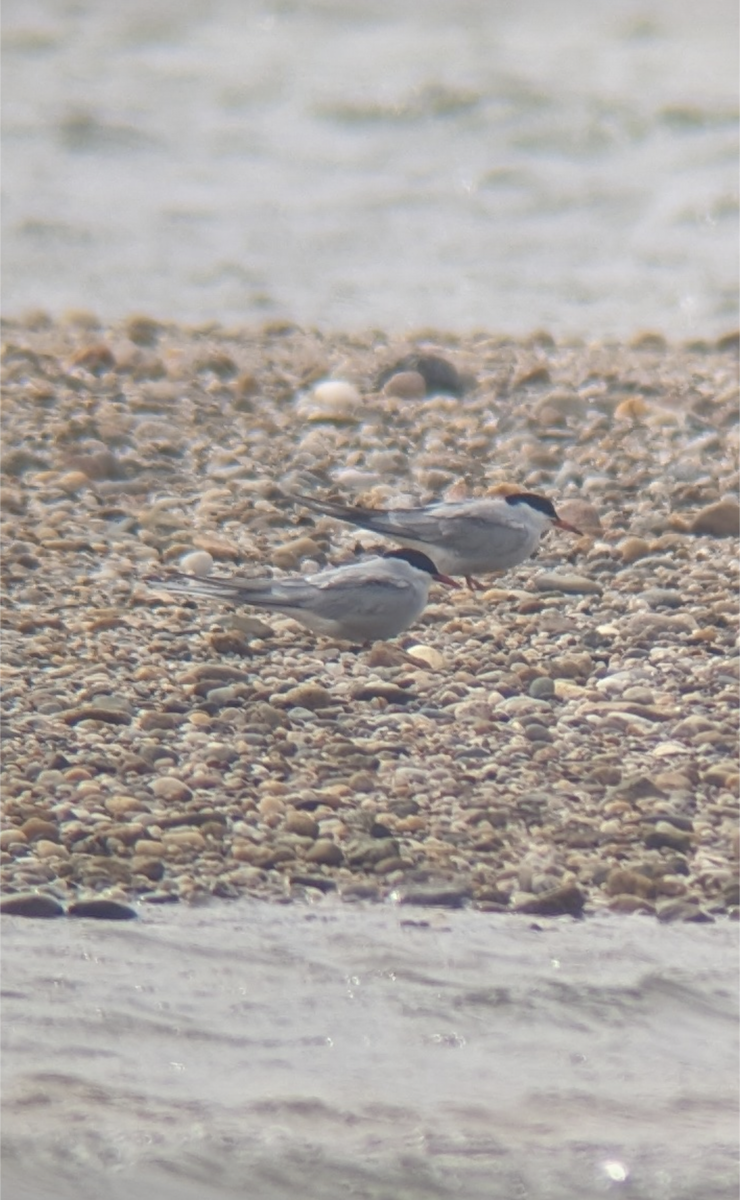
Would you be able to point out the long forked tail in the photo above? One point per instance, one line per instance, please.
(365, 518)
(237, 588)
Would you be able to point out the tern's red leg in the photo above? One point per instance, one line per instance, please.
(474, 584)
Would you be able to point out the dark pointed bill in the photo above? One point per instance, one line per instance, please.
(559, 523)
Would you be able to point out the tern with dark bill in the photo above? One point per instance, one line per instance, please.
(366, 601)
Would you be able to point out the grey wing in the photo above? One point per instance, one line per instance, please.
(457, 529)
(360, 597)
(424, 526)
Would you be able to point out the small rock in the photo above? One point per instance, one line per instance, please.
(633, 548)
(251, 626)
(626, 903)
(147, 848)
(288, 556)
(97, 711)
(320, 882)
(566, 899)
(443, 896)
(150, 868)
(621, 881)
(198, 562)
(160, 720)
(37, 827)
(542, 688)
(537, 733)
(718, 520)
(366, 851)
(665, 835)
(325, 853)
(636, 787)
(569, 585)
(384, 691)
(186, 839)
(302, 824)
(31, 904)
(307, 695)
(230, 641)
(46, 849)
(332, 399)
(406, 385)
(12, 837)
(440, 376)
(97, 358)
(166, 787)
(571, 666)
(682, 910)
(662, 597)
(142, 330)
(217, 547)
(428, 655)
(101, 910)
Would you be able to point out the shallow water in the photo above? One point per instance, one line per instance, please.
(253, 1050)
(462, 164)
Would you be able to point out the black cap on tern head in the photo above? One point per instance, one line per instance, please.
(532, 500)
(415, 558)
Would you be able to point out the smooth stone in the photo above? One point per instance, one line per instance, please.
(325, 853)
(198, 562)
(621, 882)
(47, 849)
(321, 882)
(367, 851)
(12, 837)
(718, 520)
(302, 824)
(637, 787)
(96, 712)
(31, 904)
(537, 733)
(568, 899)
(384, 691)
(542, 688)
(36, 827)
(428, 655)
(682, 910)
(662, 597)
(442, 896)
(331, 399)
(307, 695)
(571, 666)
(626, 903)
(150, 868)
(666, 836)
(440, 376)
(632, 549)
(406, 385)
(160, 720)
(569, 585)
(101, 910)
(166, 787)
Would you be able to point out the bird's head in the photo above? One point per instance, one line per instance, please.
(541, 510)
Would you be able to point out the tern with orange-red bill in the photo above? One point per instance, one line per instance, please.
(464, 537)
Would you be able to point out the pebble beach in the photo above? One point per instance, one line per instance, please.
(562, 742)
